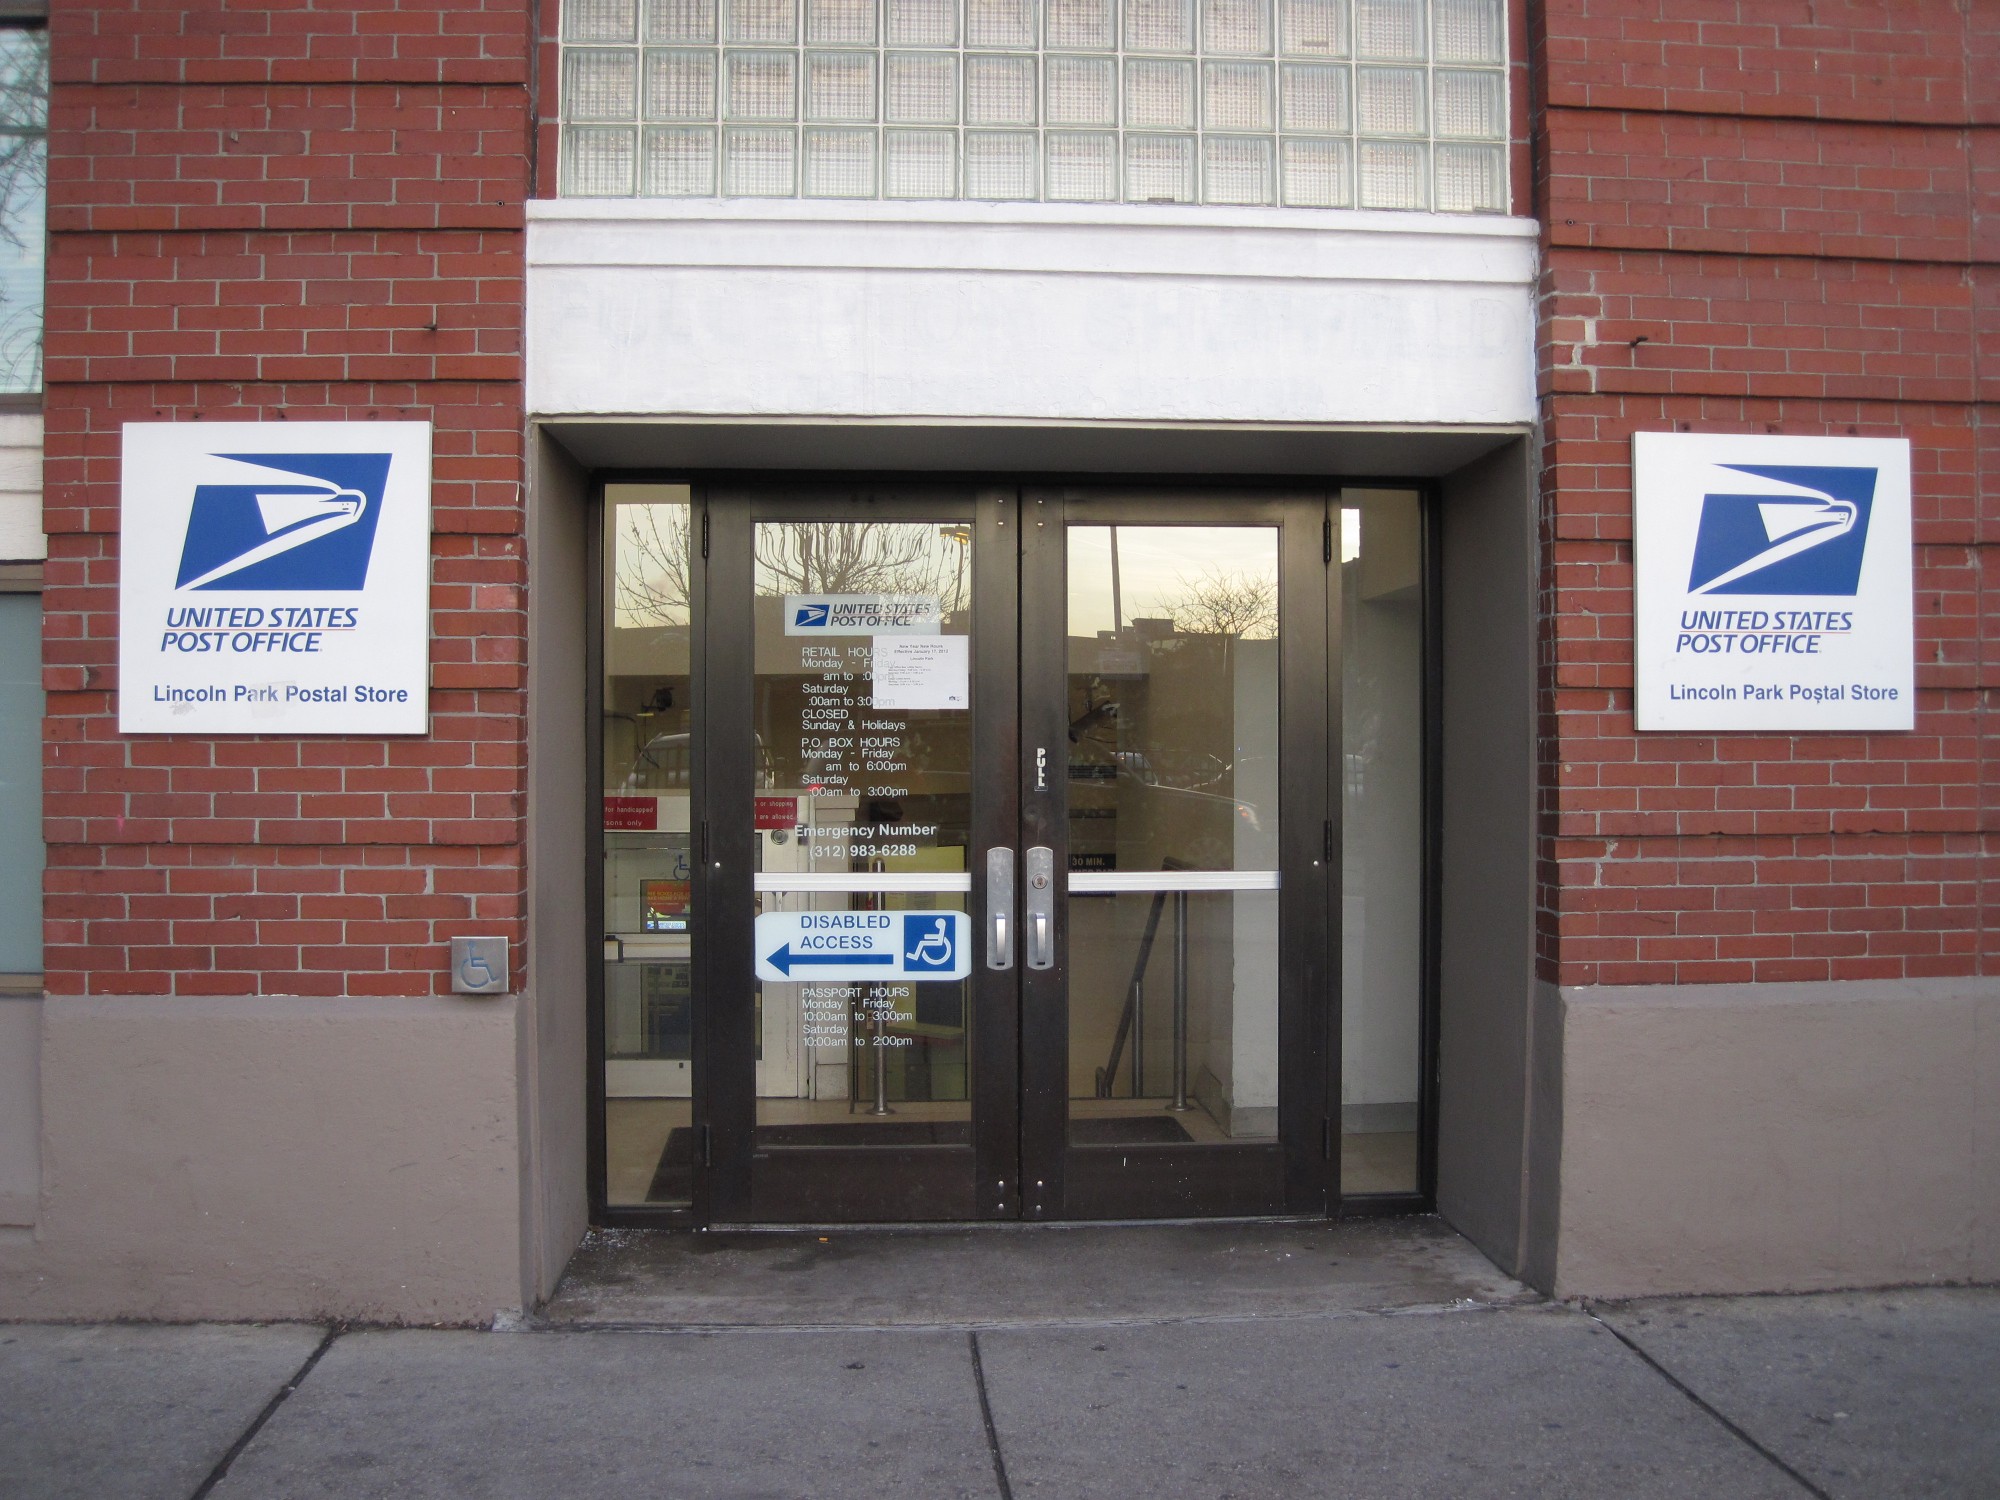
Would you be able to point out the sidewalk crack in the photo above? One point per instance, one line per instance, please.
(221, 1469)
(1742, 1434)
(985, 1415)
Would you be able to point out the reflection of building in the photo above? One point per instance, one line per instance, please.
(1634, 1011)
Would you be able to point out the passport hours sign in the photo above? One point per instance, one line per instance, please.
(1771, 583)
(274, 578)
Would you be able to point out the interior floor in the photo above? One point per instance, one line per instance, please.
(636, 1132)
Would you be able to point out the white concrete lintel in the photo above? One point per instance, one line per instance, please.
(1288, 244)
(1041, 313)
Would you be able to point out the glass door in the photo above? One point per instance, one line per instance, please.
(861, 710)
(1176, 705)
(991, 874)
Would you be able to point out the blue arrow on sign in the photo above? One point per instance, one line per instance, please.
(784, 959)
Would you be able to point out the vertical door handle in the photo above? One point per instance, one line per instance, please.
(999, 908)
(1041, 907)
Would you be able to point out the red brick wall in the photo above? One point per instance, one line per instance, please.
(1768, 216)
(271, 211)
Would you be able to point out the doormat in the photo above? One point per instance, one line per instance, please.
(673, 1178)
(1127, 1130)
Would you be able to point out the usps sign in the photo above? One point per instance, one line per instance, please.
(1771, 583)
(274, 578)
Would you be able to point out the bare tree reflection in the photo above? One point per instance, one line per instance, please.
(1239, 605)
(651, 582)
(866, 557)
(650, 586)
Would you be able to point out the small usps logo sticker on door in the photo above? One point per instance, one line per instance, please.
(274, 578)
(1771, 583)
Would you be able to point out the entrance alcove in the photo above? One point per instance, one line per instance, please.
(1478, 821)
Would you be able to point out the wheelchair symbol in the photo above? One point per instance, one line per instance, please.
(476, 971)
(932, 950)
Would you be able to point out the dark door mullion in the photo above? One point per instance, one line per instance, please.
(1042, 768)
(723, 836)
(1308, 854)
(996, 821)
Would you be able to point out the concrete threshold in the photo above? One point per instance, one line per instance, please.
(978, 1276)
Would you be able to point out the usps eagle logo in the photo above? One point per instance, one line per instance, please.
(284, 521)
(1803, 531)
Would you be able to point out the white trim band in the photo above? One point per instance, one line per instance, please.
(861, 882)
(1091, 882)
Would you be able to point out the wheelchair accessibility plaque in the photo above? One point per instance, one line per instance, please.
(859, 946)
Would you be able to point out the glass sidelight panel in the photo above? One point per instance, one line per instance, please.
(1173, 672)
(1382, 878)
(646, 780)
(861, 712)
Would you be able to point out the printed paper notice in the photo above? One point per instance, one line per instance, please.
(914, 671)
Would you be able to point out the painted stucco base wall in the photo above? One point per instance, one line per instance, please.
(273, 1158)
(1776, 1137)
(20, 1109)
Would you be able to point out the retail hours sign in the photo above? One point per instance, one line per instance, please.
(274, 578)
(1771, 583)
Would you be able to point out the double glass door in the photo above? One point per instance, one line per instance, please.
(974, 856)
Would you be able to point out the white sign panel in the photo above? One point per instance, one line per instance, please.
(1771, 583)
(921, 671)
(859, 946)
(862, 614)
(274, 578)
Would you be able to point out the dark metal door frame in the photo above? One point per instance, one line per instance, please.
(1019, 1079)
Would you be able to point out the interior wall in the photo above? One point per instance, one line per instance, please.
(1486, 980)
(555, 1058)
(1382, 846)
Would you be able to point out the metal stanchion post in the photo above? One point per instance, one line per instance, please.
(881, 1104)
(1138, 1039)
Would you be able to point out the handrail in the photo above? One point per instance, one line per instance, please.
(1135, 992)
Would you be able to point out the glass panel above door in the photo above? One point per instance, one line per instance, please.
(648, 875)
(1173, 834)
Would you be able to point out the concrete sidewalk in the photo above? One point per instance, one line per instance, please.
(1351, 1361)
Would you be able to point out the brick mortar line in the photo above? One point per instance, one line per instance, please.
(1968, 262)
(1664, 112)
(272, 85)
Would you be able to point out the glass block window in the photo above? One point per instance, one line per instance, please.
(1396, 104)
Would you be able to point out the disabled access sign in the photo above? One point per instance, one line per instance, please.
(846, 947)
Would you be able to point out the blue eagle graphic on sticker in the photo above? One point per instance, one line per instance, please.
(309, 524)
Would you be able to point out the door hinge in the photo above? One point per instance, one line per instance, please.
(1326, 830)
(1325, 540)
(704, 842)
(1326, 1140)
(704, 533)
(707, 1144)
